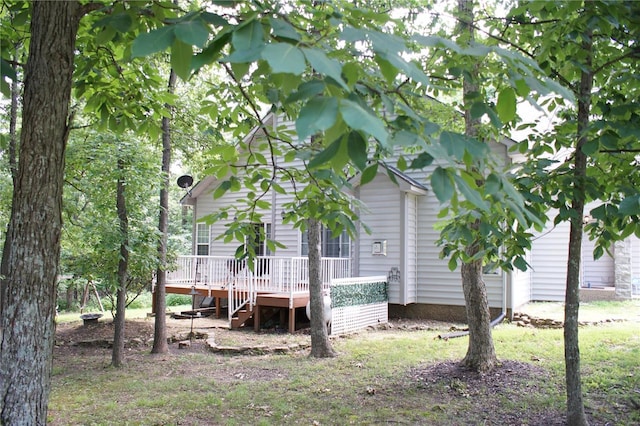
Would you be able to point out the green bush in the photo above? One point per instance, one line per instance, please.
(178, 299)
(144, 300)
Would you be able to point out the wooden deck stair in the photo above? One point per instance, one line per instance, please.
(242, 316)
(266, 307)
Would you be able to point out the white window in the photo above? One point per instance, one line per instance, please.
(331, 247)
(202, 239)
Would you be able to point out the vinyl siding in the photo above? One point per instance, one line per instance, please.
(382, 199)
(596, 273)
(549, 264)
(520, 286)
(635, 258)
(411, 258)
(436, 283)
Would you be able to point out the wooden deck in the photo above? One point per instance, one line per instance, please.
(265, 302)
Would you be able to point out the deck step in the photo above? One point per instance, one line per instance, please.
(242, 317)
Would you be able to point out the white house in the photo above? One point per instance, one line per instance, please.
(402, 247)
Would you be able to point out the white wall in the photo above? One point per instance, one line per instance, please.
(383, 202)
(549, 255)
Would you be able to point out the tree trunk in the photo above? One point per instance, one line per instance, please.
(481, 355)
(160, 345)
(32, 247)
(320, 345)
(575, 406)
(117, 356)
(13, 123)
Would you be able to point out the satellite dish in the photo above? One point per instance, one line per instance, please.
(185, 181)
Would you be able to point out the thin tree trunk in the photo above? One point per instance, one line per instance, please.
(13, 162)
(13, 122)
(117, 356)
(320, 344)
(28, 283)
(575, 406)
(160, 345)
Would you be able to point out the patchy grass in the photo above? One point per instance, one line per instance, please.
(69, 317)
(405, 376)
(589, 311)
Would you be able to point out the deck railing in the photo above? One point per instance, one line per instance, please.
(268, 274)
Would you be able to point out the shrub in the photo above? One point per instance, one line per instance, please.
(178, 299)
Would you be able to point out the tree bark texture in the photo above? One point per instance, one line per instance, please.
(117, 356)
(160, 345)
(575, 405)
(28, 286)
(481, 355)
(320, 344)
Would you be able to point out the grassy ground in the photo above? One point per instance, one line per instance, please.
(67, 317)
(404, 376)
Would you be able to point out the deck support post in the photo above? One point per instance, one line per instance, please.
(292, 320)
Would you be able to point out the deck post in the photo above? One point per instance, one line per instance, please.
(292, 320)
(256, 318)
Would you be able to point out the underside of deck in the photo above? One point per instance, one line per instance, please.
(268, 305)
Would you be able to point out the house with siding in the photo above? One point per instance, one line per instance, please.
(402, 246)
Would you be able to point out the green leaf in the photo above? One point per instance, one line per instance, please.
(153, 41)
(359, 118)
(317, 115)
(453, 143)
(520, 263)
(284, 58)
(630, 206)
(423, 160)
(120, 22)
(357, 149)
(522, 88)
(452, 264)
(437, 41)
(181, 54)
(591, 147)
(307, 90)
(325, 65)
(6, 70)
(492, 184)
(210, 53)
(441, 184)
(410, 69)
(506, 104)
(470, 194)
(404, 138)
(283, 29)
(192, 32)
(326, 155)
(214, 19)
(369, 174)
(389, 72)
(248, 37)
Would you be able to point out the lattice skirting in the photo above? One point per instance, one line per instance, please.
(352, 318)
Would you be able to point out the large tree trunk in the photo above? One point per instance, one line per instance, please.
(320, 345)
(575, 406)
(160, 345)
(117, 355)
(32, 247)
